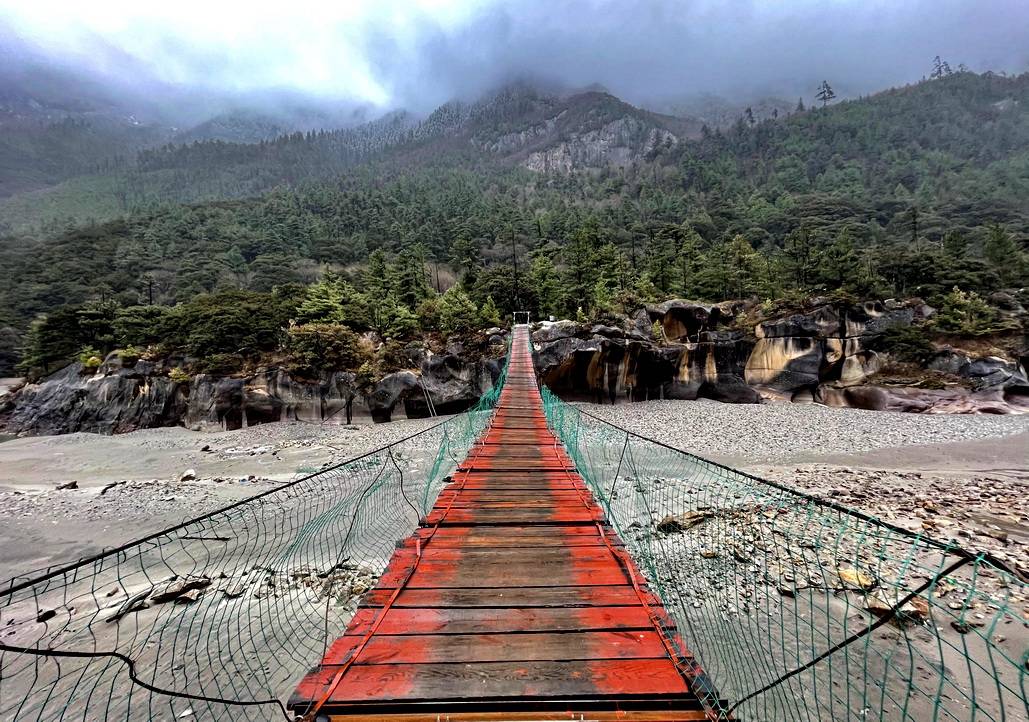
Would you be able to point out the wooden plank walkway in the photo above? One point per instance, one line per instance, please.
(513, 601)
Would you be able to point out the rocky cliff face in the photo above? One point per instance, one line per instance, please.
(561, 133)
(830, 354)
(619, 143)
(117, 398)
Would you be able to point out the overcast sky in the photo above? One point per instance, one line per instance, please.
(419, 53)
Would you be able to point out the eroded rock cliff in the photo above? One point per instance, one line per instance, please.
(831, 354)
(116, 398)
(828, 353)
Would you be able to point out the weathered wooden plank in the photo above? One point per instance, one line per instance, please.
(543, 556)
(500, 621)
(559, 515)
(513, 530)
(620, 595)
(552, 496)
(515, 516)
(432, 574)
(662, 715)
(598, 679)
(522, 647)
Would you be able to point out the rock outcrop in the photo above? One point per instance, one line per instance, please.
(113, 400)
(267, 396)
(830, 354)
(826, 355)
(116, 398)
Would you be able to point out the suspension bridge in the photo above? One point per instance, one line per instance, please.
(523, 560)
(515, 596)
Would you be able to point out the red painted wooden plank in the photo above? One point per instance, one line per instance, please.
(620, 595)
(578, 515)
(476, 648)
(500, 621)
(512, 530)
(598, 679)
(553, 496)
(544, 556)
(430, 575)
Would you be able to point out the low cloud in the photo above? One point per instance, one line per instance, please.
(417, 54)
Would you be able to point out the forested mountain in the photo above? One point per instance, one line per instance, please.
(516, 125)
(915, 191)
(45, 139)
(58, 124)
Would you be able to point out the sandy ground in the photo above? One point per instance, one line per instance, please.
(953, 477)
(128, 486)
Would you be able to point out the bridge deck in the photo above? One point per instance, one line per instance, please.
(514, 600)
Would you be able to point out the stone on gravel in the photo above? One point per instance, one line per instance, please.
(682, 522)
(133, 604)
(178, 588)
(856, 579)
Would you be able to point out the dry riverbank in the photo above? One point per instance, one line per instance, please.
(129, 485)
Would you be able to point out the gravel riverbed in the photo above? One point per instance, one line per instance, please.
(750, 434)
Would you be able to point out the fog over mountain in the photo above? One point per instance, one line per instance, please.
(188, 61)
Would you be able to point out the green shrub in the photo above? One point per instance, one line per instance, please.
(178, 375)
(90, 358)
(129, 355)
(964, 314)
(220, 364)
(324, 346)
(428, 314)
(906, 343)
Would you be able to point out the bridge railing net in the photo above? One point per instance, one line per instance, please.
(799, 609)
(220, 617)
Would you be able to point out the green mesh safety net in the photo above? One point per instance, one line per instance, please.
(796, 608)
(218, 618)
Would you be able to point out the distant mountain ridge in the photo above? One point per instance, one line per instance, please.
(548, 131)
(246, 153)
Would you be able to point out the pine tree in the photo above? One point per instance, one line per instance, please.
(1002, 252)
(825, 93)
(408, 277)
(547, 282)
(457, 312)
(941, 68)
(489, 315)
(954, 244)
(323, 303)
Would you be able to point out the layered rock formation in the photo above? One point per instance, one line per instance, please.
(826, 355)
(829, 354)
(117, 398)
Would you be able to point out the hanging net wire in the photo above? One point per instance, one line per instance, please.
(800, 609)
(218, 618)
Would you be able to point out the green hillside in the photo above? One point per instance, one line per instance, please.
(912, 191)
